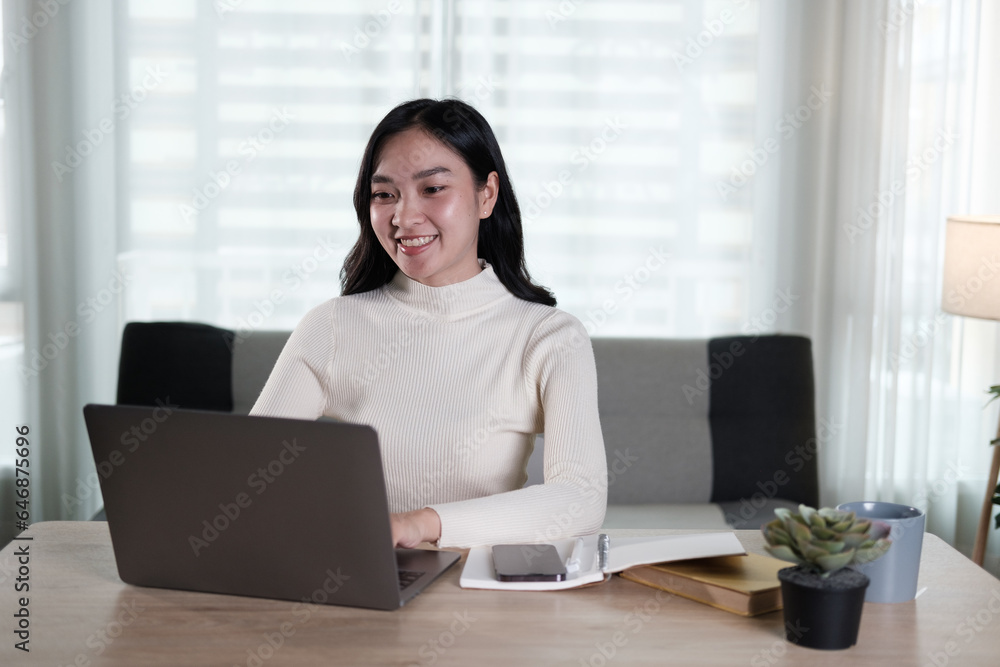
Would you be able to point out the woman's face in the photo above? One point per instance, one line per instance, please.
(425, 208)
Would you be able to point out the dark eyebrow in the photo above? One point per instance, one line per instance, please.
(430, 172)
(381, 178)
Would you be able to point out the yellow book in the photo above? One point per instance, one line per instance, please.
(745, 585)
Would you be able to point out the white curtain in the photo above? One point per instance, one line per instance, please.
(902, 384)
(738, 138)
(62, 318)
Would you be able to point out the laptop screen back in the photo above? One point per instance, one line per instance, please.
(259, 506)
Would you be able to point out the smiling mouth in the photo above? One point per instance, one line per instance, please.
(416, 242)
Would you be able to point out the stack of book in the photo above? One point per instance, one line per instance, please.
(746, 585)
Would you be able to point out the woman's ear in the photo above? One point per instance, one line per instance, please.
(488, 195)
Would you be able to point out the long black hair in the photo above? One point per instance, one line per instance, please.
(501, 240)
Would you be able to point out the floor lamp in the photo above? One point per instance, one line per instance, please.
(972, 289)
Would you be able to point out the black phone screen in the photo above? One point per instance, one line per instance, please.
(528, 562)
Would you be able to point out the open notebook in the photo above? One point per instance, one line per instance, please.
(625, 552)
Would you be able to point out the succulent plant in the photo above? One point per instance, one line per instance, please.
(825, 540)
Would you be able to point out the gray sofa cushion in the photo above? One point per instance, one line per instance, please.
(710, 420)
(185, 363)
(763, 419)
(254, 355)
(696, 431)
(658, 443)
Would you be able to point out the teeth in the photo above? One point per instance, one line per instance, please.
(414, 243)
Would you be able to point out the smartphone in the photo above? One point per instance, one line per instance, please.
(528, 562)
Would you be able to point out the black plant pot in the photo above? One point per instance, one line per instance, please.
(822, 613)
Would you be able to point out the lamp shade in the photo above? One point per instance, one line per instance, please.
(971, 285)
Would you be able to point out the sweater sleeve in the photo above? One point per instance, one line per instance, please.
(298, 384)
(559, 370)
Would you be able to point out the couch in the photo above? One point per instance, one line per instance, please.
(699, 433)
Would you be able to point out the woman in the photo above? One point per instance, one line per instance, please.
(442, 343)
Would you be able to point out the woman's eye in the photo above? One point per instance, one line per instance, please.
(381, 195)
(433, 189)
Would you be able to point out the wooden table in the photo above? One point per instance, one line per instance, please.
(82, 614)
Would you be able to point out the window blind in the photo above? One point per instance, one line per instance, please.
(247, 120)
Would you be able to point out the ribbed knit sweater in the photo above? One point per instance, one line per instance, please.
(457, 380)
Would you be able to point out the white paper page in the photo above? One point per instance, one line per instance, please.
(628, 552)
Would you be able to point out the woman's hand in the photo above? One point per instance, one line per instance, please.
(411, 528)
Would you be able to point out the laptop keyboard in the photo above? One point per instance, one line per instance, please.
(407, 577)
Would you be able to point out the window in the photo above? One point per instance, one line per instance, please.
(619, 121)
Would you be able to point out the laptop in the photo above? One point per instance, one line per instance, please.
(275, 508)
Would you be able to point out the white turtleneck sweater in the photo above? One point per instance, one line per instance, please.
(457, 380)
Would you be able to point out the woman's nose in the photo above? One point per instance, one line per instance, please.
(407, 213)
